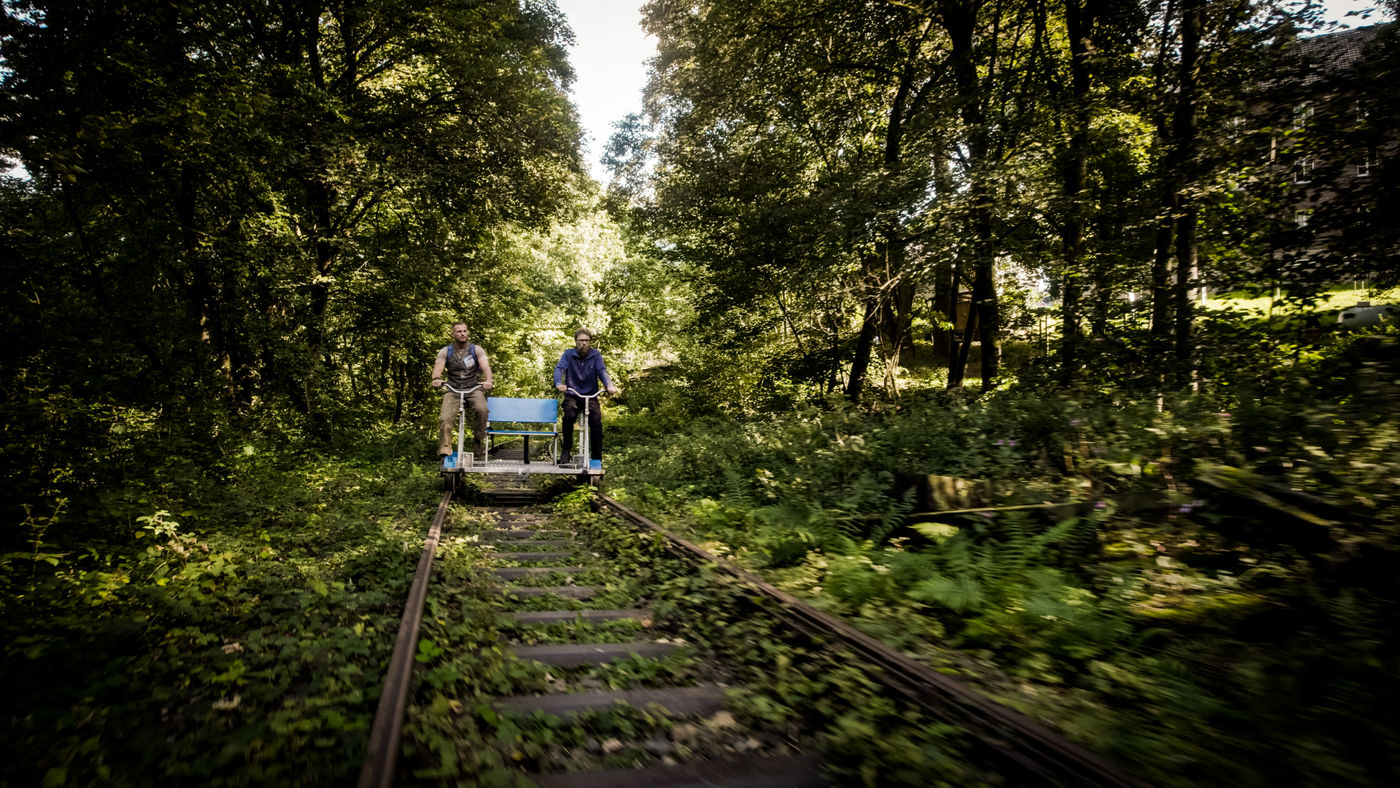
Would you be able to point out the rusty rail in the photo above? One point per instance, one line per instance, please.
(387, 731)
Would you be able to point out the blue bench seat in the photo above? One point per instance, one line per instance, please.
(538, 417)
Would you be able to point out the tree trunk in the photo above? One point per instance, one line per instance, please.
(834, 368)
(241, 350)
(941, 338)
(962, 348)
(1161, 270)
(945, 276)
(1076, 171)
(984, 301)
(865, 340)
(1185, 281)
(1160, 329)
(893, 311)
(960, 22)
(896, 304)
(1186, 131)
(896, 318)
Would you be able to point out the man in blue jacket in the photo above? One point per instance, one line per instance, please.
(580, 369)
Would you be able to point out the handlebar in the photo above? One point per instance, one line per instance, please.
(469, 390)
(586, 396)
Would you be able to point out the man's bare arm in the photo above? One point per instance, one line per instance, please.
(438, 367)
(485, 364)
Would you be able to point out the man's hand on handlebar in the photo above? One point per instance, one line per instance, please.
(487, 385)
(567, 390)
(437, 383)
(612, 391)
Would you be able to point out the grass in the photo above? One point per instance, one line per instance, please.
(1331, 302)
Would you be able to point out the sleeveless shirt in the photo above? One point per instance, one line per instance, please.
(462, 369)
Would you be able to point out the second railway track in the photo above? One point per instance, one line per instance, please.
(594, 649)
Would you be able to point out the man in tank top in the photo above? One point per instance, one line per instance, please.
(465, 365)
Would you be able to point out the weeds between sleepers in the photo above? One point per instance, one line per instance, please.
(792, 695)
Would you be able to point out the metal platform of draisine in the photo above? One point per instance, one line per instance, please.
(510, 462)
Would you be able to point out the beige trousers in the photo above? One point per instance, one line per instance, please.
(447, 419)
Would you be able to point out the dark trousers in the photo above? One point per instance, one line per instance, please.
(572, 407)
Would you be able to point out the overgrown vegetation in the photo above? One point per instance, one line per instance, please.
(231, 634)
(787, 689)
(1186, 593)
(233, 235)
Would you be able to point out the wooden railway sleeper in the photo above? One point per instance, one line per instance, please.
(704, 700)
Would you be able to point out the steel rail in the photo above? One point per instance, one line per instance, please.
(1034, 749)
(387, 732)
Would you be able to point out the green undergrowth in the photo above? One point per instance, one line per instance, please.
(233, 634)
(1193, 632)
(791, 683)
(787, 693)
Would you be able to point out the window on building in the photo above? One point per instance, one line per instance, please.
(1361, 164)
(1303, 169)
(1359, 111)
(1302, 115)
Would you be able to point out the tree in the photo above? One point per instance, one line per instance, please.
(871, 129)
(236, 175)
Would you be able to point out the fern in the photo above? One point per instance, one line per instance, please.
(985, 567)
(736, 490)
(892, 517)
(857, 580)
(957, 556)
(809, 522)
(960, 594)
(993, 563)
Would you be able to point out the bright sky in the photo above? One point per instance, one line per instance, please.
(611, 52)
(1337, 10)
(609, 59)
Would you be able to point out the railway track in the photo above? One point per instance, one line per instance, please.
(581, 659)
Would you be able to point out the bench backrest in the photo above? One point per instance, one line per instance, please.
(520, 409)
